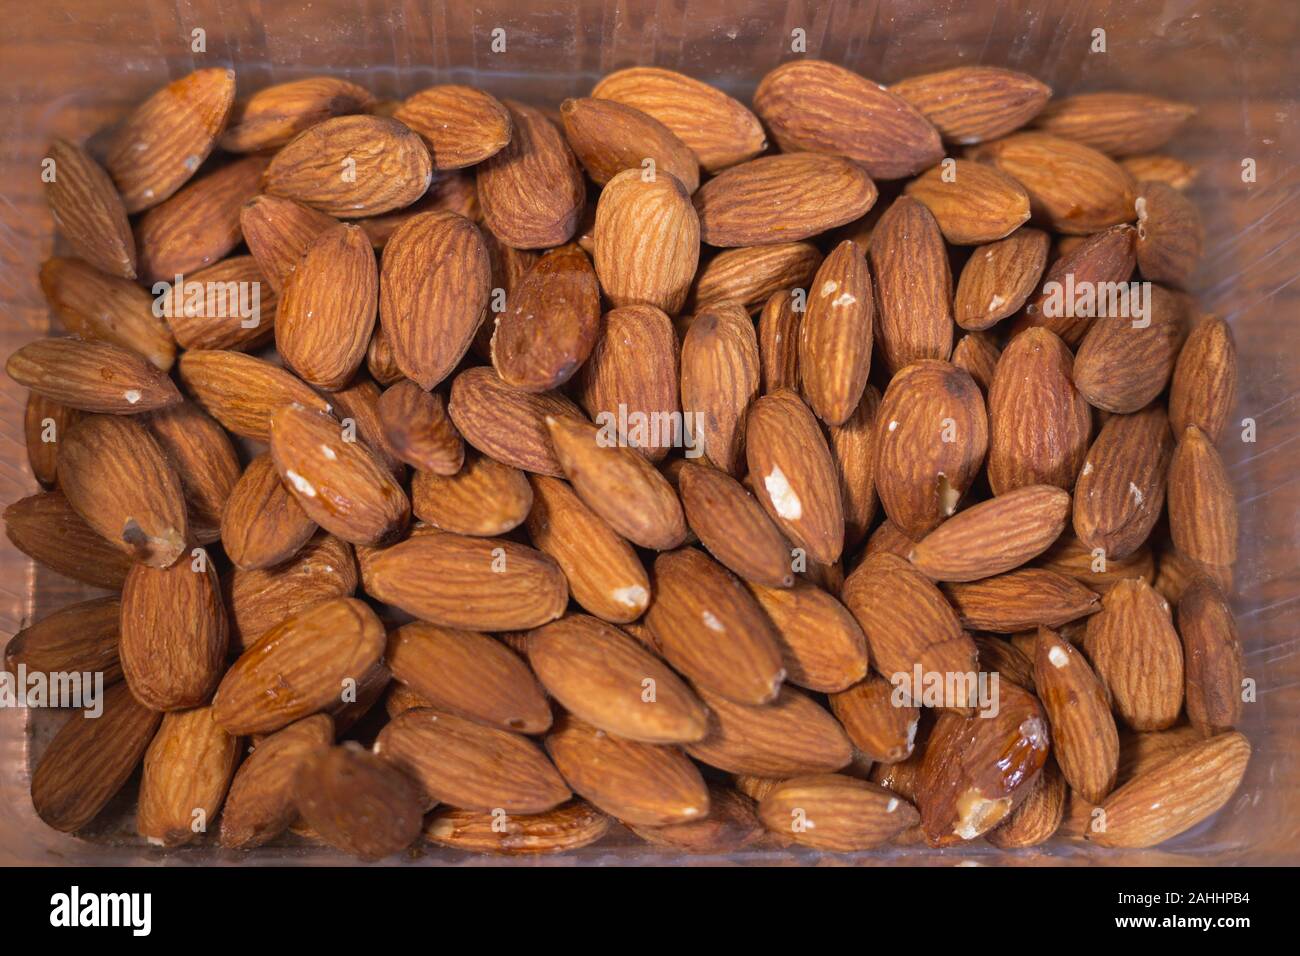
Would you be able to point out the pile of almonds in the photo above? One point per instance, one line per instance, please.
(397, 562)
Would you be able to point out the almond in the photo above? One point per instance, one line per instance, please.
(835, 812)
(646, 239)
(1019, 600)
(1096, 570)
(45, 527)
(971, 202)
(733, 526)
(187, 770)
(380, 362)
(461, 126)
(977, 354)
(1212, 656)
(485, 498)
(260, 805)
(76, 638)
(165, 139)
(1083, 731)
(720, 380)
(819, 107)
(822, 646)
(352, 166)
(507, 423)
(731, 825)
(1156, 167)
(357, 408)
(299, 667)
(913, 285)
(1005, 658)
(779, 199)
(263, 524)
(778, 343)
(91, 376)
(242, 392)
(568, 827)
(790, 736)
(1170, 236)
(447, 579)
(1038, 818)
(274, 115)
(835, 335)
(1202, 508)
(88, 211)
(238, 314)
(751, 275)
(278, 231)
(1100, 262)
(1204, 385)
(609, 137)
(100, 307)
(44, 423)
(1119, 124)
(882, 729)
(853, 448)
(418, 429)
(259, 599)
(357, 802)
(514, 209)
(970, 104)
(999, 277)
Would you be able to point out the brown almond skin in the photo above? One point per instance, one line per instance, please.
(1212, 658)
(187, 770)
(1202, 507)
(712, 630)
(1071, 557)
(462, 126)
(1185, 789)
(356, 406)
(259, 599)
(1170, 236)
(822, 646)
(165, 139)
(1039, 423)
(647, 240)
(819, 107)
(485, 498)
(1038, 818)
(610, 681)
(1204, 385)
(794, 476)
(516, 212)
(45, 527)
(778, 343)
(174, 633)
(263, 524)
(1121, 490)
(835, 335)
(550, 322)
(751, 275)
(931, 434)
(1118, 124)
(260, 805)
(913, 285)
(91, 376)
(1174, 572)
(853, 449)
(118, 479)
(571, 826)
(1072, 186)
(380, 362)
(609, 137)
(97, 306)
(197, 327)
(977, 354)
(507, 423)
(390, 167)
(972, 203)
(1018, 600)
(243, 392)
(44, 424)
(633, 363)
(278, 231)
(1137, 655)
(327, 308)
(470, 675)
(718, 129)
(1157, 167)
(88, 211)
(882, 729)
(77, 638)
(451, 191)
(434, 289)
(835, 812)
(452, 581)
(905, 619)
(732, 824)
(204, 457)
(1100, 259)
(778, 199)
(471, 766)
(719, 382)
(790, 736)
(993, 536)
(274, 115)
(636, 782)
(299, 667)
(969, 104)
(605, 574)
(358, 802)
(1085, 742)
(733, 526)
(1121, 368)
(199, 225)
(338, 483)
(999, 277)
(619, 485)
(90, 759)
(417, 428)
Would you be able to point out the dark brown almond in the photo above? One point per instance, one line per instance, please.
(790, 736)
(260, 805)
(357, 802)
(913, 286)
(1019, 600)
(969, 104)
(45, 527)
(507, 423)
(1212, 658)
(88, 211)
(462, 126)
(999, 277)
(1098, 266)
(485, 498)
(92, 376)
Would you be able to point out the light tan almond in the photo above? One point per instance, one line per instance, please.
(569, 827)
(993, 536)
(1119, 124)
(1204, 385)
(91, 376)
(187, 770)
(485, 498)
(969, 104)
(822, 646)
(88, 211)
(1202, 507)
(835, 812)
(790, 736)
(972, 203)
(999, 277)
(720, 380)
(278, 231)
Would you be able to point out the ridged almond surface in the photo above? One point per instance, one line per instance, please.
(822, 646)
(515, 209)
(471, 766)
(1158, 167)
(1039, 424)
(508, 423)
(1121, 489)
(819, 107)
(790, 736)
(205, 458)
(835, 336)
(1170, 237)
(187, 770)
(461, 126)
(470, 675)
(568, 827)
(485, 498)
(751, 275)
(913, 286)
(263, 524)
(78, 637)
(1211, 658)
(483, 584)
(359, 401)
(1100, 262)
(731, 824)
(1119, 124)
(610, 681)
(1085, 741)
(835, 812)
(1038, 817)
(777, 199)
(299, 667)
(972, 203)
(1019, 600)
(278, 231)
(969, 104)
(778, 343)
(1202, 507)
(1204, 385)
(931, 434)
(357, 802)
(259, 599)
(274, 115)
(999, 277)
(712, 630)
(419, 431)
(161, 143)
(88, 211)
(45, 527)
(95, 305)
(977, 354)
(719, 382)
(733, 526)
(91, 376)
(882, 729)
(647, 241)
(1098, 572)
(352, 166)
(609, 137)
(853, 449)
(243, 392)
(260, 805)
(44, 423)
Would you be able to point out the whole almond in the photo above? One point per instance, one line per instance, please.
(972, 203)
(570, 826)
(514, 209)
(418, 429)
(1170, 236)
(778, 343)
(357, 802)
(609, 137)
(1038, 818)
(836, 333)
(1204, 384)
(461, 126)
(260, 805)
(187, 770)
(238, 316)
(77, 638)
(970, 104)
(45, 527)
(1118, 124)
(853, 448)
(352, 166)
(1202, 507)
(485, 498)
(243, 392)
(1085, 742)
(913, 285)
(165, 139)
(91, 376)
(823, 108)
(731, 825)
(274, 115)
(999, 277)
(733, 526)
(278, 231)
(822, 646)
(507, 423)
(299, 667)
(1018, 600)
(720, 380)
(259, 599)
(1100, 261)
(97, 306)
(751, 275)
(1212, 658)
(881, 728)
(88, 211)
(263, 524)
(790, 736)
(835, 812)
(977, 354)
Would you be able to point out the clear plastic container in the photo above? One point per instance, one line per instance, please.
(69, 67)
